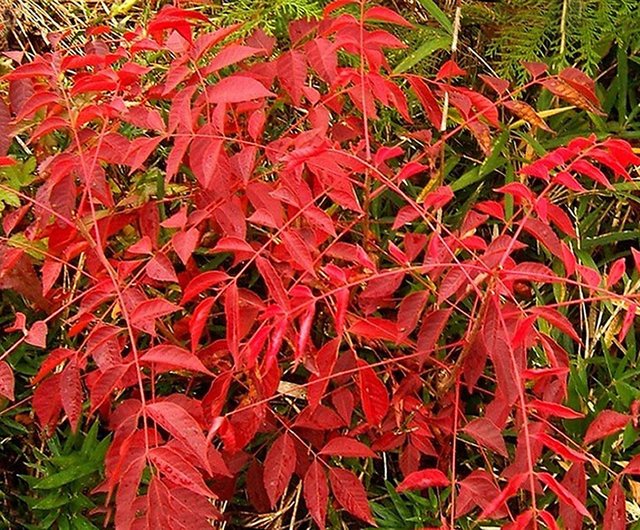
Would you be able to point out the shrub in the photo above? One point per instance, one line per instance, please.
(250, 264)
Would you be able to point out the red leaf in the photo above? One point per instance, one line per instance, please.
(385, 14)
(46, 401)
(292, 72)
(500, 349)
(179, 471)
(410, 310)
(278, 467)
(174, 358)
(232, 315)
(512, 487)
(322, 57)
(375, 328)
(433, 325)
(316, 493)
(230, 55)
(616, 272)
(298, 250)
(350, 494)
(535, 69)
(561, 449)
(555, 409)
(564, 494)
(575, 481)
(71, 393)
(182, 426)
(448, 70)
(143, 317)
(185, 242)
(347, 447)
(425, 478)
(237, 89)
(161, 269)
(427, 99)
(633, 467)
(273, 281)
(139, 150)
(373, 394)
(543, 234)
(37, 335)
(7, 381)
(606, 423)
(487, 434)
(6, 129)
(201, 283)
(615, 515)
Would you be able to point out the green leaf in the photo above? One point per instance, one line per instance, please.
(437, 13)
(82, 523)
(50, 502)
(426, 49)
(66, 476)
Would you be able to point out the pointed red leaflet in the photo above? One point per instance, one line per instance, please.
(179, 471)
(350, 493)
(425, 478)
(316, 493)
(278, 467)
(348, 447)
(487, 434)
(375, 400)
(182, 426)
(174, 358)
(563, 494)
(71, 393)
(608, 422)
(145, 314)
(513, 486)
(237, 89)
(615, 515)
(232, 314)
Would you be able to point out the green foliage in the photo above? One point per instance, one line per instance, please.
(64, 474)
(568, 32)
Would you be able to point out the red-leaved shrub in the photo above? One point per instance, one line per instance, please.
(248, 264)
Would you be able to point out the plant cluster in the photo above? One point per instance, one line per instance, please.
(262, 273)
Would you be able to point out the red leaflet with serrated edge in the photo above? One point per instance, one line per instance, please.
(182, 426)
(316, 493)
(350, 493)
(278, 467)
